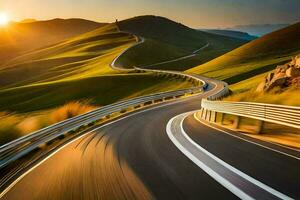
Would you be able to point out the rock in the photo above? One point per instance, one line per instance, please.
(281, 68)
(297, 61)
(269, 77)
(293, 72)
(284, 76)
(279, 75)
(278, 82)
(295, 82)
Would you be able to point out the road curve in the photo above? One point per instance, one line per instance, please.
(134, 158)
(141, 40)
(131, 158)
(248, 168)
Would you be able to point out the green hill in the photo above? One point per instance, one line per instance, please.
(166, 39)
(76, 69)
(254, 58)
(18, 38)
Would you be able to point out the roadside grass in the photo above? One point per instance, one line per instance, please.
(101, 90)
(234, 70)
(26, 114)
(289, 97)
(13, 125)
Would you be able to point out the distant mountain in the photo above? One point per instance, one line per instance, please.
(231, 33)
(18, 38)
(259, 29)
(166, 40)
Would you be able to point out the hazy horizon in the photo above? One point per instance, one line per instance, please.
(194, 13)
(238, 25)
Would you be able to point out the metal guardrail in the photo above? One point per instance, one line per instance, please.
(278, 114)
(22, 146)
(222, 93)
(202, 83)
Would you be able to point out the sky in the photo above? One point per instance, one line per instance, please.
(194, 13)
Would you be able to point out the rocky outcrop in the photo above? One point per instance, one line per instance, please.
(284, 76)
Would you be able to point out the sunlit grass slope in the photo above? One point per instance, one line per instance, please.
(99, 90)
(84, 56)
(254, 58)
(46, 81)
(18, 38)
(166, 39)
(76, 69)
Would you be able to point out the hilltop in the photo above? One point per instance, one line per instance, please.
(19, 38)
(166, 40)
(254, 58)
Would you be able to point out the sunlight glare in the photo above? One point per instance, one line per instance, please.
(3, 19)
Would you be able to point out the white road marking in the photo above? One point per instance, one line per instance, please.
(226, 183)
(252, 142)
(63, 146)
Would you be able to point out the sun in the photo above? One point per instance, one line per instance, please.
(3, 19)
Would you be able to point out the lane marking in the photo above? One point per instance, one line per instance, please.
(75, 139)
(227, 184)
(241, 138)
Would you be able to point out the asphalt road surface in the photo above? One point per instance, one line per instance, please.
(133, 158)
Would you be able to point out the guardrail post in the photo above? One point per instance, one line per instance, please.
(208, 116)
(221, 118)
(236, 123)
(204, 114)
(260, 126)
(201, 112)
(213, 117)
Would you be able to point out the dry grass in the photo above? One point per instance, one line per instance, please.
(8, 127)
(277, 96)
(69, 110)
(13, 126)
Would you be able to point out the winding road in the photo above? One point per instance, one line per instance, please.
(163, 152)
(134, 158)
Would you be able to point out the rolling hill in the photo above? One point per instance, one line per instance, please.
(76, 69)
(19, 38)
(72, 76)
(254, 58)
(166, 40)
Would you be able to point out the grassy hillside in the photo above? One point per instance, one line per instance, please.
(77, 66)
(47, 82)
(17, 38)
(167, 40)
(84, 56)
(98, 90)
(254, 58)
